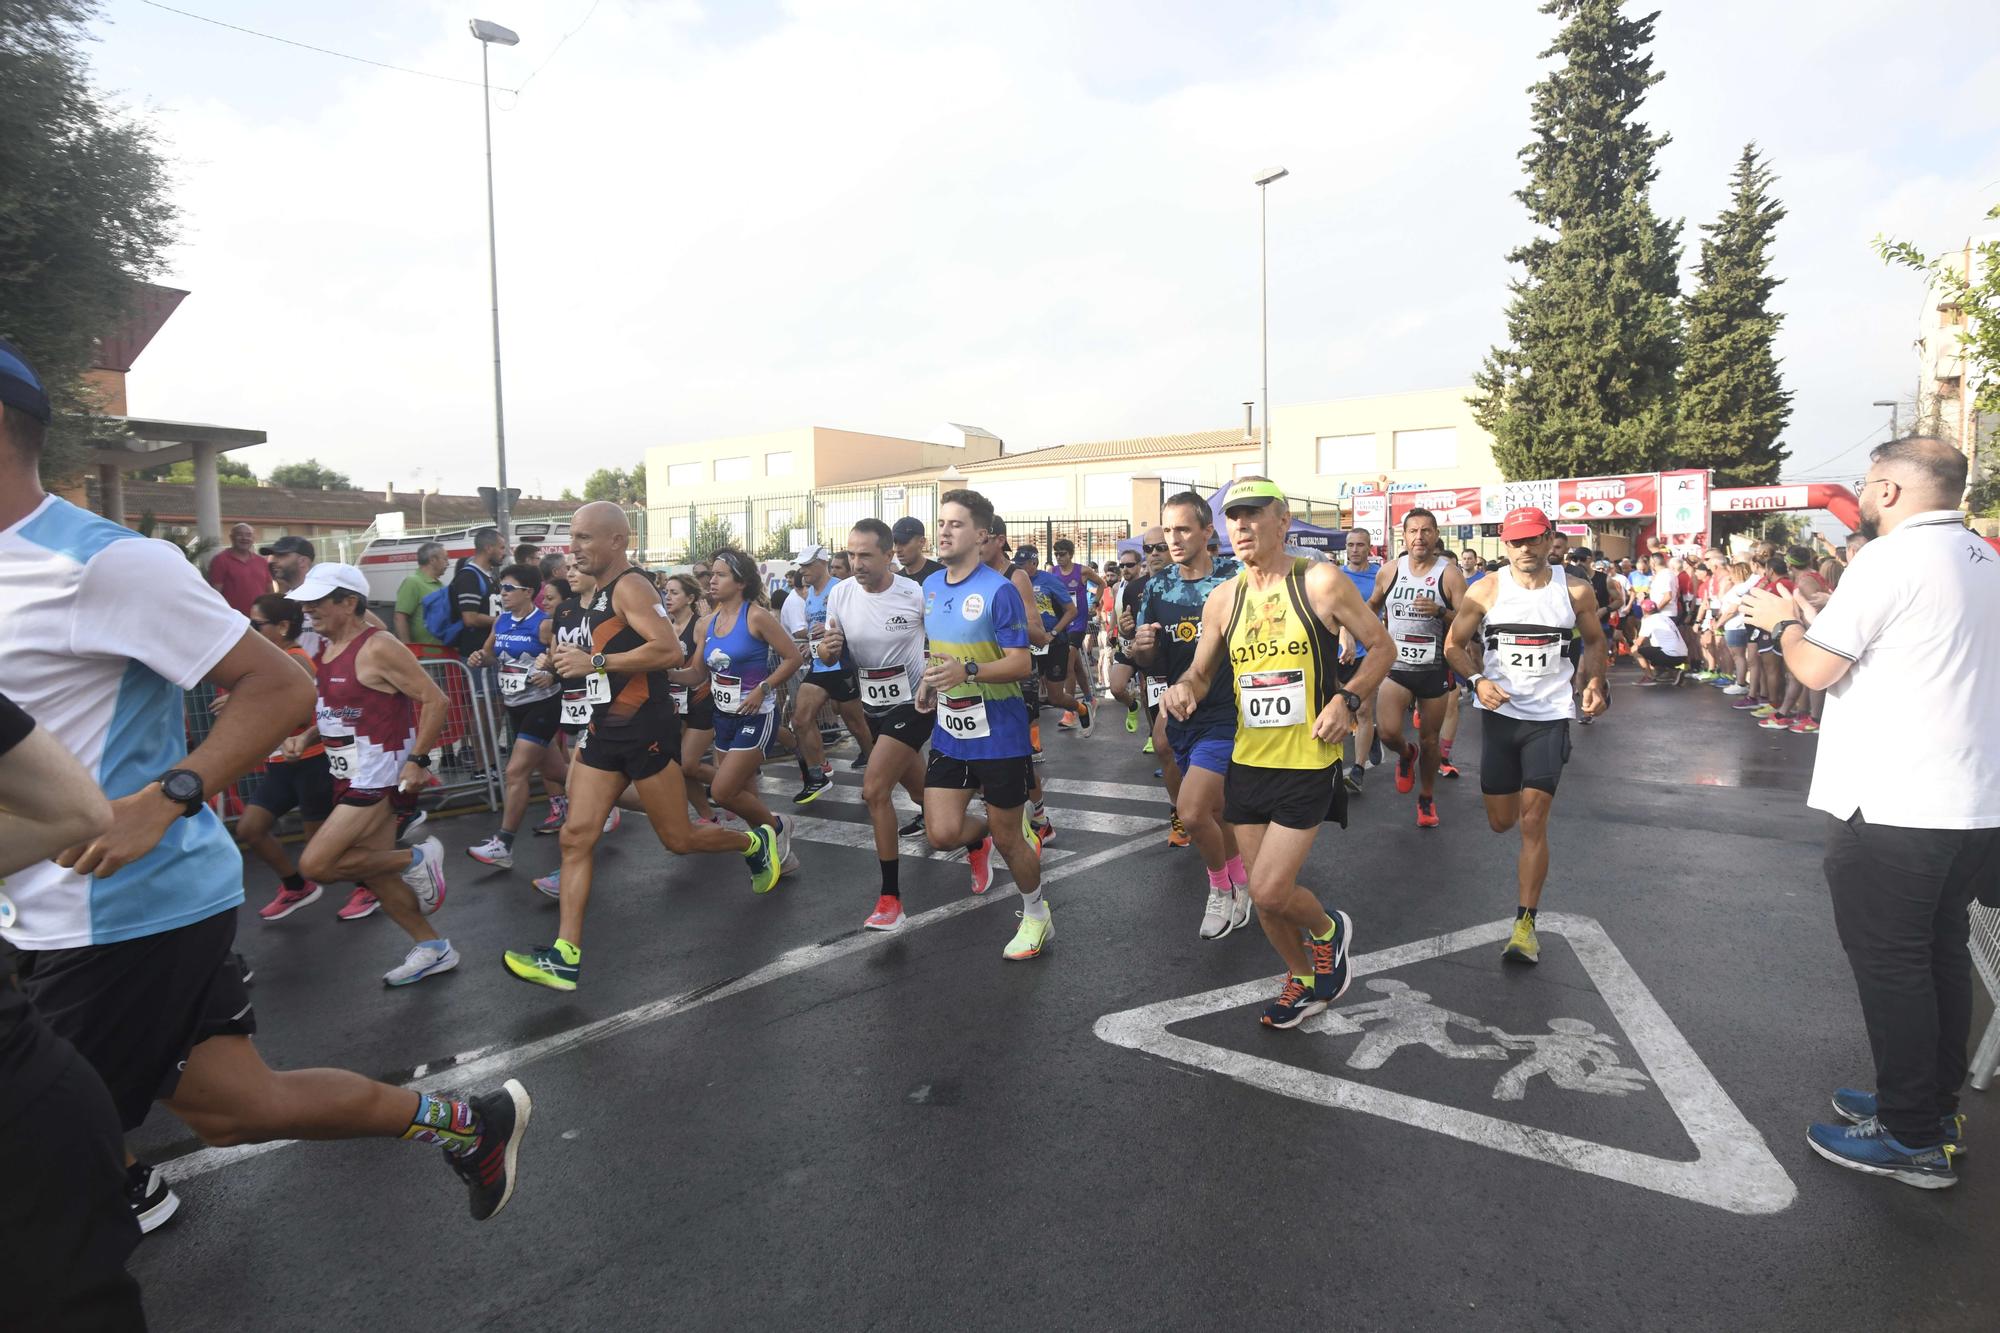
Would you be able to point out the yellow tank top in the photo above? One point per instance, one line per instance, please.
(1283, 662)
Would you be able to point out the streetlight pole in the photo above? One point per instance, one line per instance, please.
(1264, 310)
(1893, 406)
(489, 33)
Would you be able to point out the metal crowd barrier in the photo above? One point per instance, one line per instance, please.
(1986, 958)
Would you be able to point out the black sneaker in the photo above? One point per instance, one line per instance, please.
(1352, 779)
(146, 1191)
(857, 764)
(490, 1170)
(409, 821)
(816, 782)
(913, 828)
(243, 966)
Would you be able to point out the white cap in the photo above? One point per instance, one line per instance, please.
(328, 578)
(812, 553)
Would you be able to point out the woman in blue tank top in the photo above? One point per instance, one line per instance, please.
(518, 646)
(737, 645)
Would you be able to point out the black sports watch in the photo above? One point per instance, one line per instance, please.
(420, 760)
(971, 669)
(1352, 700)
(184, 788)
(1778, 633)
(597, 661)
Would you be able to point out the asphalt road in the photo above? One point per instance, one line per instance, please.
(752, 1114)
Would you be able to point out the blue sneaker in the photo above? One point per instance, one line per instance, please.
(1295, 1004)
(1855, 1106)
(1868, 1147)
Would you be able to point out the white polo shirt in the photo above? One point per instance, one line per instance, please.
(1918, 613)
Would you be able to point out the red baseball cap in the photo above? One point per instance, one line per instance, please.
(1519, 523)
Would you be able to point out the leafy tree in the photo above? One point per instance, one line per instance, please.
(569, 496)
(84, 211)
(776, 546)
(610, 483)
(711, 533)
(310, 475)
(636, 478)
(1733, 404)
(1585, 381)
(228, 472)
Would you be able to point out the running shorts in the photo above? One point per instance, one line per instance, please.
(1118, 658)
(740, 731)
(1345, 670)
(1055, 663)
(1201, 746)
(1514, 753)
(841, 686)
(700, 715)
(537, 722)
(1298, 798)
(345, 793)
(1003, 782)
(637, 757)
(1425, 683)
(135, 1009)
(304, 785)
(902, 723)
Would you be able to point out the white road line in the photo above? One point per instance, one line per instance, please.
(1065, 817)
(485, 1065)
(842, 833)
(1115, 791)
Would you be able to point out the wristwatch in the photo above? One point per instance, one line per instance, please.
(1352, 700)
(185, 789)
(1778, 631)
(597, 661)
(971, 669)
(420, 760)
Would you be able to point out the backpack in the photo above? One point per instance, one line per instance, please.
(441, 611)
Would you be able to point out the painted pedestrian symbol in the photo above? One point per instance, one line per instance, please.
(1575, 1056)
(1403, 1017)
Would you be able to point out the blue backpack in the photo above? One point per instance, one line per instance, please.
(440, 613)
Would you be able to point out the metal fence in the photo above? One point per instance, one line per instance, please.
(1986, 957)
(772, 527)
(1096, 538)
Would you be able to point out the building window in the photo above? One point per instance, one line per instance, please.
(732, 469)
(683, 474)
(778, 464)
(1242, 470)
(1417, 449)
(1035, 498)
(1107, 490)
(1346, 453)
(677, 528)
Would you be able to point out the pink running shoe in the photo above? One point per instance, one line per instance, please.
(558, 811)
(288, 902)
(361, 903)
(980, 858)
(888, 914)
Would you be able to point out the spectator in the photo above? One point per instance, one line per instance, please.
(527, 553)
(290, 558)
(909, 535)
(474, 602)
(1910, 627)
(1660, 644)
(238, 572)
(428, 578)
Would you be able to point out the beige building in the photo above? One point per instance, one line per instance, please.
(1419, 441)
(1948, 382)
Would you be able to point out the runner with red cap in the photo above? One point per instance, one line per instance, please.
(1517, 638)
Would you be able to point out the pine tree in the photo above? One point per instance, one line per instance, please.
(1733, 403)
(1585, 382)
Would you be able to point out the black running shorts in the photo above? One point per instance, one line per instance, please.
(1514, 753)
(135, 1009)
(537, 722)
(1300, 798)
(304, 785)
(637, 757)
(1054, 664)
(840, 686)
(1425, 682)
(1003, 782)
(902, 723)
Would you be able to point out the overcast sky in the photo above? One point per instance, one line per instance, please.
(1036, 217)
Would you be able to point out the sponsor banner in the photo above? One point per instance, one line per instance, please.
(1606, 499)
(1755, 499)
(1570, 500)
(1684, 508)
(1372, 512)
(1451, 504)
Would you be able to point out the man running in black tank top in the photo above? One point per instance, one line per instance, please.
(633, 737)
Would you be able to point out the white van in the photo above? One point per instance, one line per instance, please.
(387, 561)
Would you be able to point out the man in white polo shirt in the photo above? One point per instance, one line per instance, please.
(1913, 619)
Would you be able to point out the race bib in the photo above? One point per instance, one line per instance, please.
(1038, 650)
(597, 688)
(1156, 690)
(1416, 650)
(493, 606)
(884, 687)
(964, 718)
(513, 679)
(1529, 656)
(727, 691)
(679, 694)
(1273, 698)
(340, 758)
(576, 707)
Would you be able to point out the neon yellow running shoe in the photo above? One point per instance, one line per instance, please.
(1033, 936)
(1149, 746)
(762, 857)
(556, 966)
(1132, 719)
(1522, 946)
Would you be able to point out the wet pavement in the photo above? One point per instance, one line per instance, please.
(752, 1113)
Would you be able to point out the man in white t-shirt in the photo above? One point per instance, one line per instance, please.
(126, 940)
(1660, 643)
(1912, 621)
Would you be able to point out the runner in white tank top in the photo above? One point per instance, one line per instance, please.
(1416, 595)
(1515, 638)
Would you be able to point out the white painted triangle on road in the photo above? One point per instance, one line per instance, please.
(1733, 1170)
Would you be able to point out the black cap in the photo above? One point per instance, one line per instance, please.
(290, 546)
(1026, 552)
(906, 530)
(20, 386)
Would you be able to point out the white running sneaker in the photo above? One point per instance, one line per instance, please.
(1220, 918)
(424, 958)
(611, 820)
(786, 860)
(426, 877)
(1242, 907)
(493, 852)
(788, 865)
(1736, 689)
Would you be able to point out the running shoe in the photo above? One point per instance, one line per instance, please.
(1044, 831)
(1068, 722)
(1523, 946)
(888, 914)
(426, 876)
(762, 856)
(1147, 748)
(243, 968)
(558, 811)
(1427, 815)
(1219, 918)
(814, 787)
(1447, 769)
(784, 844)
(1406, 769)
(912, 829)
(980, 858)
(424, 958)
(1295, 1004)
(1748, 702)
(1352, 777)
(1331, 973)
(492, 1168)
(1177, 834)
(1084, 716)
(1804, 726)
(1035, 734)
(409, 821)
(360, 903)
(1735, 691)
(1240, 906)
(153, 1204)
(546, 966)
(857, 764)
(551, 883)
(611, 821)
(1033, 937)
(1869, 1147)
(1855, 1106)
(1763, 710)
(1132, 720)
(288, 902)
(493, 852)
(1776, 722)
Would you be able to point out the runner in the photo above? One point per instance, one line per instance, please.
(632, 737)
(1170, 624)
(1129, 684)
(1528, 621)
(125, 939)
(1076, 581)
(916, 566)
(1275, 631)
(996, 554)
(875, 627)
(1421, 590)
(518, 645)
(379, 715)
(805, 617)
(1150, 688)
(1361, 571)
(692, 700)
(978, 656)
(1058, 612)
(295, 778)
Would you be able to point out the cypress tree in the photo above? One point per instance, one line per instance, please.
(1733, 402)
(1585, 382)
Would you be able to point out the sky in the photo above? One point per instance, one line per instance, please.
(720, 219)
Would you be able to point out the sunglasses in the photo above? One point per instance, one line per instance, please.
(264, 624)
(1128, 564)
(512, 587)
(1160, 549)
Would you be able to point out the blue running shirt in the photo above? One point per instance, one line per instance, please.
(975, 621)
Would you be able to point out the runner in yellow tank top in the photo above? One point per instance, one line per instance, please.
(1275, 630)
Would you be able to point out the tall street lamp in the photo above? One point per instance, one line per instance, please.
(487, 34)
(1894, 414)
(1264, 307)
